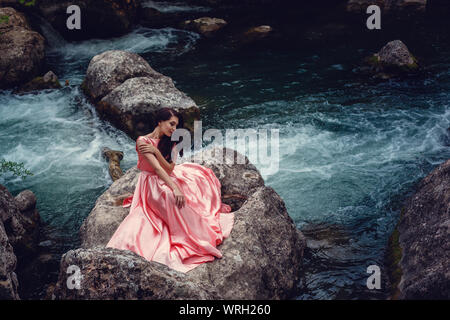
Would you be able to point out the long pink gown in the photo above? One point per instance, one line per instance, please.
(158, 230)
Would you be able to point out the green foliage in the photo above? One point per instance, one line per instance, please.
(15, 168)
(4, 19)
(27, 3)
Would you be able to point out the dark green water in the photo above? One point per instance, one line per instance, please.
(351, 149)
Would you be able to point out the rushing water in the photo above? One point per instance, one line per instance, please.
(351, 149)
(171, 7)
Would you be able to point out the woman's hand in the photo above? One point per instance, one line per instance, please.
(179, 198)
(147, 148)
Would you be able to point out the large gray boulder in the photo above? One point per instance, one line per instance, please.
(257, 262)
(419, 247)
(128, 92)
(108, 273)
(22, 49)
(108, 70)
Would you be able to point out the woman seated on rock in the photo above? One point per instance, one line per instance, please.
(176, 215)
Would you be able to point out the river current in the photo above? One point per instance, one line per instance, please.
(351, 149)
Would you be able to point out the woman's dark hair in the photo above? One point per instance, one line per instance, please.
(165, 145)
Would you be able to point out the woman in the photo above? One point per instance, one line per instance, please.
(176, 216)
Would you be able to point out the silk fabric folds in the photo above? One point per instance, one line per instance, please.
(158, 230)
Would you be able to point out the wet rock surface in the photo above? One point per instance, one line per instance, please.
(256, 262)
(420, 241)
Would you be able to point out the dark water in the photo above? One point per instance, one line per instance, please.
(351, 148)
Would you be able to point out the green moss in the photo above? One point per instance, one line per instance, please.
(373, 60)
(28, 3)
(38, 83)
(37, 80)
(4, 19)
(83, 87)
(86, 92)
(411, 67)
(394, 256)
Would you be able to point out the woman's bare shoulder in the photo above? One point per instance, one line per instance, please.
(142, 139)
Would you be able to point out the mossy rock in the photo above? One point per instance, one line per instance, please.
(412, 67)
(373, 60)
(48, 81)
(393, 258)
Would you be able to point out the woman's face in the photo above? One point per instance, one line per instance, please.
(169, 126)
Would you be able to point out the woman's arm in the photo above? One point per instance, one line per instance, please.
(179, 197)
(148, 148)
(163, 162)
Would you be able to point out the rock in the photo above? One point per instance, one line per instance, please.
(257, 263)
(395, 53)
(206, 26)
(23, 50)
(114, 158)
(8, 261)
(110, 69)
(250, 36)
(387, 6)
(128, 92)
(133, 105)
(238, 180)
(109, 273)
(26, 201)
(394, 59)
(29, 219)
(12, 19)
(257, 33)
(48, 81)
(11, 217)
(419, 246)
(99, 18)
(360, 6)
(21, 221)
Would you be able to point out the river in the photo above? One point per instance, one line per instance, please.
(351, 148)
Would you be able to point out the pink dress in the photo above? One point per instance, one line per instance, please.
(158, 230)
